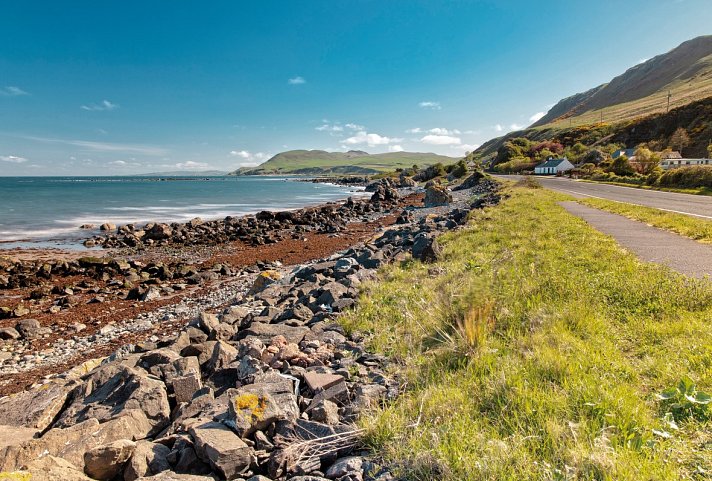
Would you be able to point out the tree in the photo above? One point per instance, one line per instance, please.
(709, 150)
(646, 160)
(679, 139)
(621, 166)
(594, 156)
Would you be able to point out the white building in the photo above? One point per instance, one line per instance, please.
(553, 166)
(666, 164)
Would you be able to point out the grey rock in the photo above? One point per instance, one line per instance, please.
(344, 467)
(114, 389)
(216, 444)
(148, 459)
(106, 462)
(265, 332)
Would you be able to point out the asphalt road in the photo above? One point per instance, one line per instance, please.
(694, 205)
(681, 254)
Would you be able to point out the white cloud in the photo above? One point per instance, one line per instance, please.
(298, 80)
(330, 128)
(363, 137)
(12, 91)
(415, 130)
(516, 127)
(104, 146)
(498, 128)
(252, 159)
(441, 140)
(470, 147)
(190, 165)
(443, 131)
(12, 158)
(104, 105)
(395, 148)
(428, 104)
(537, 116)
(118, 163)
(355, 127)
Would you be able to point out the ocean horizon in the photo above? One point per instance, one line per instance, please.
(48, 211)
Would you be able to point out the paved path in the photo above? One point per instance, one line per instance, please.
(649, 243)
(693, 205)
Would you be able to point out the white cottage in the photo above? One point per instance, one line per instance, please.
(553, 166)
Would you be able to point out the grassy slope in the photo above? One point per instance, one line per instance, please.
(304, 159)
(683, 93)
(563, 387)
(692, 227)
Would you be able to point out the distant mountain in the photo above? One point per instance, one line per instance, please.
(685, 72)
(356, 162)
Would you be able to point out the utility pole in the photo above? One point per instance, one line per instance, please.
(601, 116)
(668, 105)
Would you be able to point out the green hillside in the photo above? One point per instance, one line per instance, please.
(682, 75)
(633, 107)
(320, 162)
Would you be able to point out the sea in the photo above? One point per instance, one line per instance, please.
(48, 211)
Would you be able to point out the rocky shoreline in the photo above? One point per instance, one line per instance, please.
(253, 378)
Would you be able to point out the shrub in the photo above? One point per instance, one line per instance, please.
(694, 176)
(459, 170)
(437, 170)
(621, 166)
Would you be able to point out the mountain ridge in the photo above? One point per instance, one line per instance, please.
(667, 71)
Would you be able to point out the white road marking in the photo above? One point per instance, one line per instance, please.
(639, 205)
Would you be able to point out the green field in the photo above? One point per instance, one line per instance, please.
(319, 162)
(537, 348)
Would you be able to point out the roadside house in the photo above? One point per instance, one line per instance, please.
(630, 153)
(667, 164)
(553, 166)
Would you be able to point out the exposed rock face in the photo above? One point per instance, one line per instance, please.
(471, 181)
(437, 195)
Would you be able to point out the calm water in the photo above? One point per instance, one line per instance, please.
(51, 209)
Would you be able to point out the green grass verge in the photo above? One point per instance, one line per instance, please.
(680, 190)
(560, 380)
(692, 227)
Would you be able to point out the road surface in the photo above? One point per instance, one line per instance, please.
(688, 204)
(681, 254)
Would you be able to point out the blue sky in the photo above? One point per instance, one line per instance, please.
(112, 87)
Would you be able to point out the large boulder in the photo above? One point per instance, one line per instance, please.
(50, 468)
(426, 248)
(256, 406)
(71, 443)
(437, 195)
(36, 407)
(265, 332)
(106, 462)
(219, 446)
(148, 459)
(112, 391)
